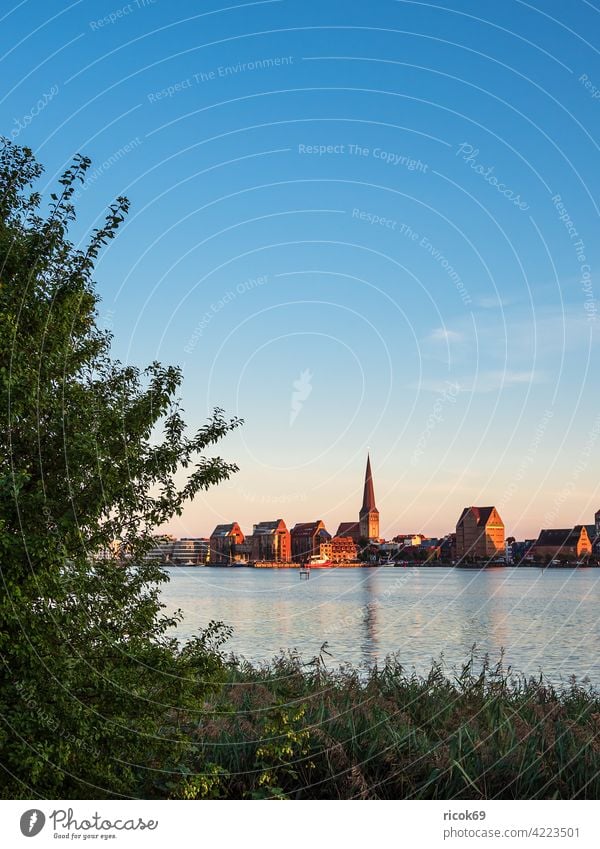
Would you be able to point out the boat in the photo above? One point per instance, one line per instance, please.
(317, 561)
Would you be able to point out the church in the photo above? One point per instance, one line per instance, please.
(367, 527)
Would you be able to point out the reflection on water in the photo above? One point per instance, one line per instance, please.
(544, 619)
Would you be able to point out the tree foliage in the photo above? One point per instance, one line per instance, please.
(90, 676)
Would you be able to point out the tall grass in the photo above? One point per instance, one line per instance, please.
(294, 730)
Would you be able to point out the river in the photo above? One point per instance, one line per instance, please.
(543, 619)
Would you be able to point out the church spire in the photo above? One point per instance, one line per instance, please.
(369, 493)
(368, 518)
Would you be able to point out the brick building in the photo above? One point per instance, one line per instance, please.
(339, 550)
(223, 542)
(271, 541)
(562, 544)
(479, 534)
(306, 539)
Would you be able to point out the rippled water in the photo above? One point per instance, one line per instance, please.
(544, 619)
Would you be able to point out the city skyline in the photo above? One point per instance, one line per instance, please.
(366, 523)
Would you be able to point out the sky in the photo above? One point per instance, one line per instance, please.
(360, 227)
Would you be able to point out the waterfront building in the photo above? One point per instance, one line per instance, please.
(223, 542)
(479, 533)
(163, 551)
(448, 547)
(410, 539)
(594, 533)
(243, 552)
(339, 550)
(271, 542)
(112, 551)
(190, 550)
(306, 539)
(368, 517)
(562, 543)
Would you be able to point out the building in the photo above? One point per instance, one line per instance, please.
(594, 533)
(223, 542)
(243, 552)
(367, 527)
(271, 542)
(163, 550)
(190, 550)
(112, 551)
(562, 544)
(349, 529)
(306, 539)
(368, 518)
(448, 547)
(479, 534)
(410, 539)
(339, 550)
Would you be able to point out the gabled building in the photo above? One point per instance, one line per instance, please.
(271, 542)
(223, 542)
(479, 534)
(306, 540)
(562, 543)
(349, 529)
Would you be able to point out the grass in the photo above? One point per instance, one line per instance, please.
(302, 731)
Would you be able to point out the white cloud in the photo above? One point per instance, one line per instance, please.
(491, 381)
(494, 302)
(443, 334)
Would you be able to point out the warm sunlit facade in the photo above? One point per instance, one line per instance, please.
(479, 533)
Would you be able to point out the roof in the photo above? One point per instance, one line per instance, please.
(269, 527)
(559, 536)
(482, 514)
(307, 527)
(224, 530)
(368, 504)
(347, 529)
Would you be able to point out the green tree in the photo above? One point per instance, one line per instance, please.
(93, 686)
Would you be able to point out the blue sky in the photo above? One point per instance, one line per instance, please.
(367, 227)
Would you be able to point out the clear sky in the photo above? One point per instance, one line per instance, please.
(356, 225)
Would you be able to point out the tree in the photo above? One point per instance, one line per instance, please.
(92, 683)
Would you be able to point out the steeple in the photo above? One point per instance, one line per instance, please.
(368, 518)
(369, 493)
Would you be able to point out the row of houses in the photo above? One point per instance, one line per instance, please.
(271, 541)
(480, 535)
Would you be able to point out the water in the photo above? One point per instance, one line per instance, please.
(544, 619)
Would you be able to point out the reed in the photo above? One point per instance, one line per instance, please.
(294, 730)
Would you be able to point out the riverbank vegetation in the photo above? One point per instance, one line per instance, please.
(289, 730)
